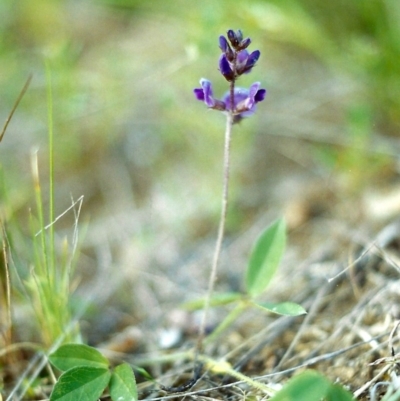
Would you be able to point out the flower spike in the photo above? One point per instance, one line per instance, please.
(234, 61)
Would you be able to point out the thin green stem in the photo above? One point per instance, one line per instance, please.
(227, 322)
(224, 210)
(221, 228)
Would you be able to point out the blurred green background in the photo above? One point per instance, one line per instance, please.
(131, 138)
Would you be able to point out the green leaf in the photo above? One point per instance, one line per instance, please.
(338, 393)
(282, 308)
(311, 386)
(83, 383)
(72, 355)
(216, 300)
(123, 384)
(265, 258)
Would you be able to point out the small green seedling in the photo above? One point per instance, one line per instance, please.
(87, 375)
(312, 386)
(263, 264)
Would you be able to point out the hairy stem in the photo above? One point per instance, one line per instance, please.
(224, 209)
(221, 228)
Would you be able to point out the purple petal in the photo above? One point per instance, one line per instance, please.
(244, 43)
(254, 89)
(223, 43)
(208, 93)
(235, 37)
(251, 61)
(225, 68)
(242, 58)
(260, 95)
(250, 101)
(254, 56)
(199, 93)
(232, 37)
(248, 105)
(239, 96)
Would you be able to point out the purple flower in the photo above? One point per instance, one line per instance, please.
(235, 37)
(237, 41)
(244, 63)
(234, 61)
(223, 44)
(244, 99)
(225, 68)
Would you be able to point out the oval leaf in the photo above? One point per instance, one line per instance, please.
(338, 393)
(72, 355)
(122, 384)
(311, 386)
(282, 308)
(265, 258)
(83, 383)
